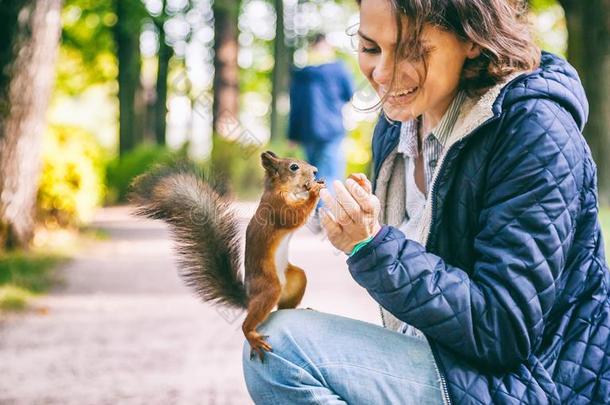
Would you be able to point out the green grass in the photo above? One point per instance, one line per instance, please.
(13, 298)
(24, 275)
(94, 234)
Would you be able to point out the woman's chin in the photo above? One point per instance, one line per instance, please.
(396, 113)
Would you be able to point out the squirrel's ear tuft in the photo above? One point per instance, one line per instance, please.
(269, 161)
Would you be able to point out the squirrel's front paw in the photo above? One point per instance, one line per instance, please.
(317, 186)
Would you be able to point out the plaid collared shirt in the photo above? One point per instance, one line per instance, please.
(434, 142)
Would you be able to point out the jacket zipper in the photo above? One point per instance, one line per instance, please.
(440, 169)
(441, 377)
(382, 317)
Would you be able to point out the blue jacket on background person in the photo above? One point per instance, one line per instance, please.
(317, 96)
(511, 285)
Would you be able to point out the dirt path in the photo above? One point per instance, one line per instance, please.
(124, 330)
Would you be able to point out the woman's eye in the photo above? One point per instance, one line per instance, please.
(369, 50)
(361, 45)
(294, 167)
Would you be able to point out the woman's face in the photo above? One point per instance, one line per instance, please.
(410, 98)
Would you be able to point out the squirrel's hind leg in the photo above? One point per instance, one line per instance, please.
(259, 307)
(294, 288)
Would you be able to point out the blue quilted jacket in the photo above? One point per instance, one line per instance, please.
(512, 287)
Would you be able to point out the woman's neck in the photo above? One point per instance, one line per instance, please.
(432, 117)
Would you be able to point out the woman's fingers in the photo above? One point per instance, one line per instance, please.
(333, 206)
(349, 216)
(327, 199)
(352, 200)
(361, 196)
(329, 223)
(349, 209)
(363, 181)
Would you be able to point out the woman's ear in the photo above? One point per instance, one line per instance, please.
(270, 161)
(472, 50)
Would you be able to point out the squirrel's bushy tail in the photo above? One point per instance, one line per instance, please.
(204, 227)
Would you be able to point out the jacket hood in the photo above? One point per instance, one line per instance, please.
(556, 80)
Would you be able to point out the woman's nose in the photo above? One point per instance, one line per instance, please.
(382, 73)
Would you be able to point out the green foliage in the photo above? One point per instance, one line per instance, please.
(541, 5)
(86, 54)
(358, 148)
(71, 184)
(23, 275)
(122, 170)
(252, 80)
(549, 26)
(281, 148)
(235, 168)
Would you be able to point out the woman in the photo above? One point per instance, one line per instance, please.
(481, 240)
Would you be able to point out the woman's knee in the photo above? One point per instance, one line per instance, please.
(286, 322)
(283, 330)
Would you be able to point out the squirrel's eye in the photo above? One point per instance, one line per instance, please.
(294, 167)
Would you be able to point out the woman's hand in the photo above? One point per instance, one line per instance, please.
(352, 215)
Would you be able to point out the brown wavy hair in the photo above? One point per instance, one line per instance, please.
(498, 27)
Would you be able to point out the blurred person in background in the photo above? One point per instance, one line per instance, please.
(318, 93)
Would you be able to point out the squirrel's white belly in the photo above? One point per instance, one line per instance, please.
(281, 258)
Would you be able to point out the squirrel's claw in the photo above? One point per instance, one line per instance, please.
(259, 346)
(260, 352)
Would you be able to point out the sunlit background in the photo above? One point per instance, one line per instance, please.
(85, 94)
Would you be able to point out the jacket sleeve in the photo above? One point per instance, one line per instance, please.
(493, 313)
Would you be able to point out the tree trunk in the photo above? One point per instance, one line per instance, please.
(589, 52)
(127, 38)
(281, 75)
(164, 56)
(225, 110)
(30, 33)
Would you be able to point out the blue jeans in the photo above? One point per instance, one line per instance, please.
(320, 358)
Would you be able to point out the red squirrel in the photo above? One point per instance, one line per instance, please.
(206, 232)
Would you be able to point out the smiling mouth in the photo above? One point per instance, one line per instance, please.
(403, 96)
(404, 92)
